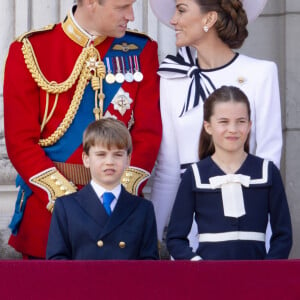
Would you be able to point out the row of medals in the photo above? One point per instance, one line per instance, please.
(120, 77)
(128, 76)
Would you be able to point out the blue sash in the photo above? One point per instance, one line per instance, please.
(72, 139)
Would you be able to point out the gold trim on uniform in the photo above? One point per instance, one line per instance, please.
(76, 173)
(131, 121)
(78, 35)
(88, 61)
(121, 101)
(132, 179)
(125, 47)
(29, 33)
(54, 184)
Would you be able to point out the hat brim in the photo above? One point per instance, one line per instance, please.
(164, 9)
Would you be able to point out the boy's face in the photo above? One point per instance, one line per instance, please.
(106, 165)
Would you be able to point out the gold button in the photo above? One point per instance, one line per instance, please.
(122, 244)
(100, 243)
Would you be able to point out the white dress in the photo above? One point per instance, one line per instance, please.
(258, 79)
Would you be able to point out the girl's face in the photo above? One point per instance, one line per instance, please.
(188, 22)
(229, 127)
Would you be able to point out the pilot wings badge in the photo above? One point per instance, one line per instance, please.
(125, 47)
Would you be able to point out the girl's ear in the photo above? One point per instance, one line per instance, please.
(207, 127)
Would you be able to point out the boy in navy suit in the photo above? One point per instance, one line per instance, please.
(84, 225)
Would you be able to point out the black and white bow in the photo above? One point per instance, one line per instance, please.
(184, 64)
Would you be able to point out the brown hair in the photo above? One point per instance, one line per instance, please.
(108, 132)
(231, 25)
(220, 95)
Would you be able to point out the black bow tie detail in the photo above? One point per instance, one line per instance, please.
(183, 65)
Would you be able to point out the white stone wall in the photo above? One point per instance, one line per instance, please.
(274, 36)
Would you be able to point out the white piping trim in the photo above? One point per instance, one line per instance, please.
(262, 180)
(232, 236)
(196, 258)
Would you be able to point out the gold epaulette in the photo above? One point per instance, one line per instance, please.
(132, 179)
(33, 31)
(54, 184)
(135, 31)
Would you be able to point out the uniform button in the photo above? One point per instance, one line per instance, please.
(100, 243)
(122, 244)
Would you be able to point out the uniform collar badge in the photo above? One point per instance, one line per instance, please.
(77, 34)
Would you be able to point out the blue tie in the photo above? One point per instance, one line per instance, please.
(107, 200)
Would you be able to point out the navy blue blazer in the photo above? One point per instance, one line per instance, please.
(81, 229)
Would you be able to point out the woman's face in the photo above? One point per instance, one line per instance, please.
(188, 22)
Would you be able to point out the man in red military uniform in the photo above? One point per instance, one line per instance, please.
(59, 79)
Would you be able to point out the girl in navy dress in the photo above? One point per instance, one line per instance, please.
(229, 191)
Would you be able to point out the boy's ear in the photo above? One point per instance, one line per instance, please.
(207, 127)
(85, 160)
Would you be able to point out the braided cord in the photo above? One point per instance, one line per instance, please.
(88, 64)
(51, 87)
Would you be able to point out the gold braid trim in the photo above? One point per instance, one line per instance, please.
(51, 87)
(85, 66)
(70, 115)
(132, 179)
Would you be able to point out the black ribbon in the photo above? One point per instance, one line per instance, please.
(184, 65)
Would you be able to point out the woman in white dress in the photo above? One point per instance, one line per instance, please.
(207, 31)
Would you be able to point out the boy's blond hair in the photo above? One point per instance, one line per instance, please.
(108, 132)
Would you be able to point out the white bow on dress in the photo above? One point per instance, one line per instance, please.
(232, 194)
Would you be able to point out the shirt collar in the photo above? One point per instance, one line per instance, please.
(100, 190)
(76, 33)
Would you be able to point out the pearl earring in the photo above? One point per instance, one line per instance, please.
(205, 28)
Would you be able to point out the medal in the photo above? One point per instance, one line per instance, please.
(119, 76)
(128, 76)
(138, 76)
(110, 77)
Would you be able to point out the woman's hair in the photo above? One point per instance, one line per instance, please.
(220, 95)
(108, 132)
(231, 25)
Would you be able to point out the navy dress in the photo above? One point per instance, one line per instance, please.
(222, 237)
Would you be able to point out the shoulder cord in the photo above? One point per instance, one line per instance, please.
(82, 69)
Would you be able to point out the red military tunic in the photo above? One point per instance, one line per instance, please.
(55, 56)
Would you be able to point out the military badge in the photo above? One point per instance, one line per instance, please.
(122, 101)
(125, 47)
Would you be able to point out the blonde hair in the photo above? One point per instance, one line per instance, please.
(108, 132)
